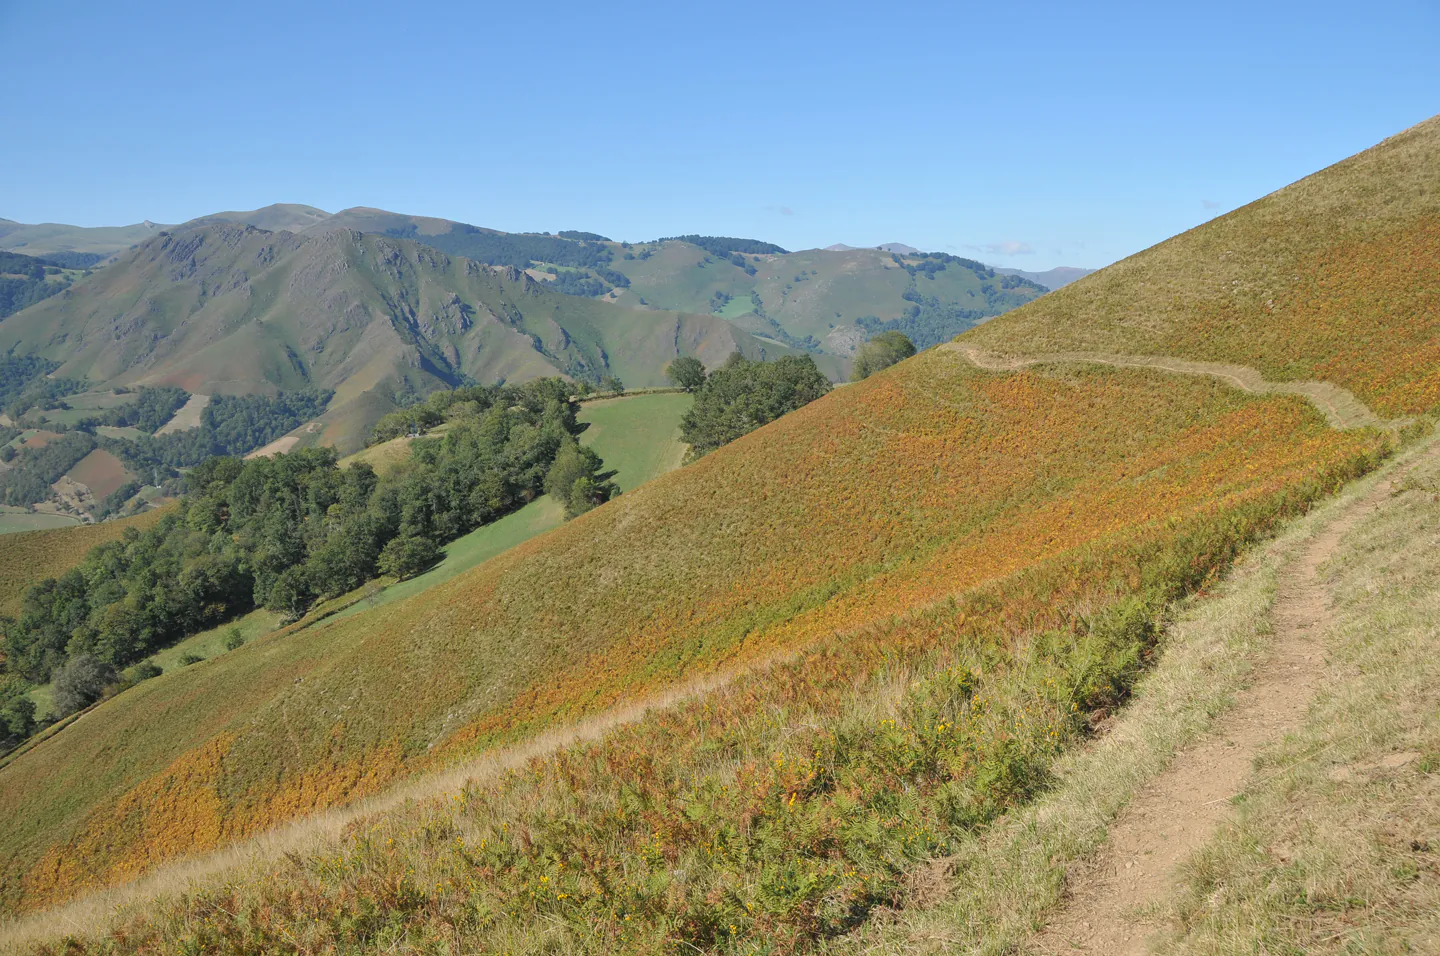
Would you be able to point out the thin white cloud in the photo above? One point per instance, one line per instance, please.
(1010, 248)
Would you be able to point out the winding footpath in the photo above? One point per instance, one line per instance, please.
(1177, 812)
(1341, 408)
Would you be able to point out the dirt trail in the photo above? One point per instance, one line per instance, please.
(1341, 408)
(1181, 808)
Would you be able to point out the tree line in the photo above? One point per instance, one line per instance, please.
(722, 246)
(288, 531)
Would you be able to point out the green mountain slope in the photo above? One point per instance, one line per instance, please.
(815, 299)
(956, 567)
(824, 300)
(41, 238)
(230, 308)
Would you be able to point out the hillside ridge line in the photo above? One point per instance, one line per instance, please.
(1339, 406)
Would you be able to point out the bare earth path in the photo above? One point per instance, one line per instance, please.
(1341, 408)
(1181, 808)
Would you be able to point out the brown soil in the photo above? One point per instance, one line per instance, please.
(1105, 912)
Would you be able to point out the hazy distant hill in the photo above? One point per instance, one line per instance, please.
(292, 217)
(1051, 278)
(899, 247)
(230, 308)
(47, 237)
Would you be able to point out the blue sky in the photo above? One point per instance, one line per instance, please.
(1025, 134)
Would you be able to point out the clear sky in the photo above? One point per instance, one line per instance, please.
(1025, 134)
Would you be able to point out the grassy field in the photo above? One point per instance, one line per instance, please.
(637, 436)
(101, 472)
(482, 544)
(12, 521)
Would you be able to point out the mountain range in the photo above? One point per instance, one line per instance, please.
(222, 307)
(383, 307)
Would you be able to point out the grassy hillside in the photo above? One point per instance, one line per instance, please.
(638, 437)
(48, 237)
(1332, 278)
(30, 556)
(914, 594)
(230, 308)
(930, 479)
(818, 295)
(814, 297)
(25, 280)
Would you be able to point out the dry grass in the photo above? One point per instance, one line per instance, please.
(1330, 279)
(30, 556)
(1337, 844)
(1000, 887)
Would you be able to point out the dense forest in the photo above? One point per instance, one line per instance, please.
(287, 531)
(24, 384)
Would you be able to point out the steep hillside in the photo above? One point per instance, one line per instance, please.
(230, 308)
(824, 300)
(927, 480)
(1331, 278)
(899, 606)
(1051, 278)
